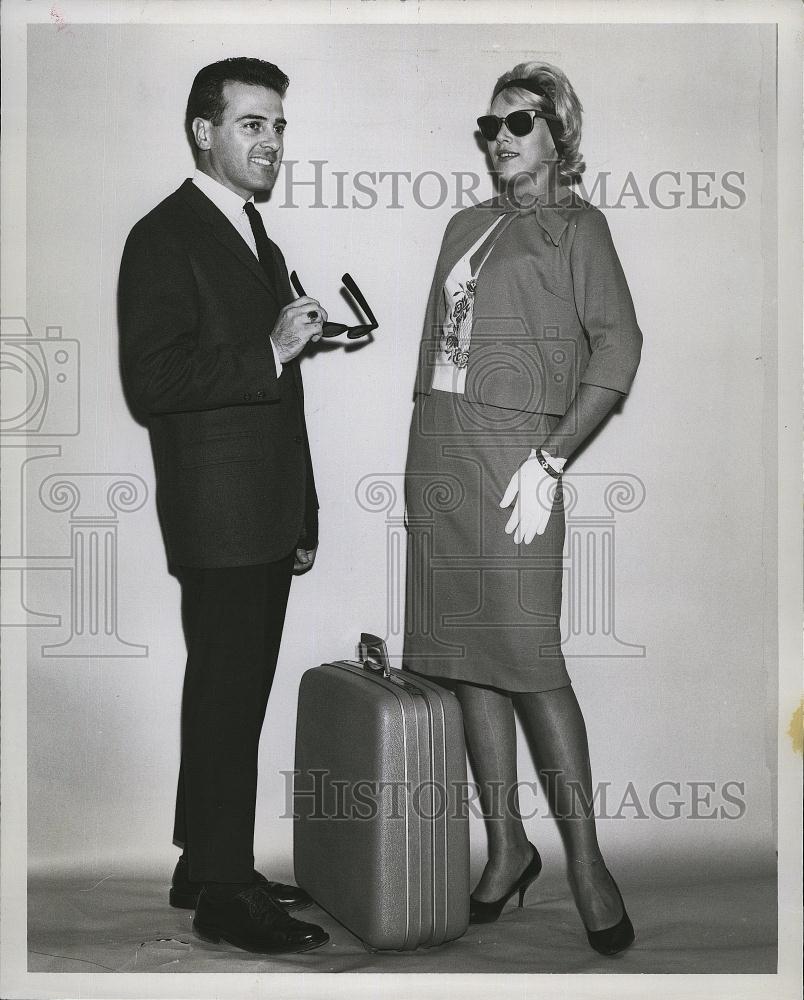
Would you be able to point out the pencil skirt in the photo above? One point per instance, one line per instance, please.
(479, 607)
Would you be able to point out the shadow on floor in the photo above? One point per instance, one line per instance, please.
(696, 924)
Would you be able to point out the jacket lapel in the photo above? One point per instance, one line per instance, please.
(222, 230)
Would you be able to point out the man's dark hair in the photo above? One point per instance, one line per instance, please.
(206, 94)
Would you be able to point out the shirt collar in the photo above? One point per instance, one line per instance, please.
(222, 197)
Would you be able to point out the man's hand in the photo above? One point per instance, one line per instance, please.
(304, 560)
(529, 484)
(296, 327)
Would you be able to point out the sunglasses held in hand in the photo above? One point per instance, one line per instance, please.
(335, 329)
(518, 123)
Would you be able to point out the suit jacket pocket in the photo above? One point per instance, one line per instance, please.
(221, 450)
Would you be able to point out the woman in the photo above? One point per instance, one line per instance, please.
(530, 339)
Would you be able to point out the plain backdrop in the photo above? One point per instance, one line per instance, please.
(695, 563)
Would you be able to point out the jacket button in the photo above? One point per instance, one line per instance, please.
(260, 394)
(298, 439)
(246, 395)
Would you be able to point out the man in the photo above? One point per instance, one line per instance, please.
(210, 339)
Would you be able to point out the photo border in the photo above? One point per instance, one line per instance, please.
(16, 981)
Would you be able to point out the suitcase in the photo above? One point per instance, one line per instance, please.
(381, 830)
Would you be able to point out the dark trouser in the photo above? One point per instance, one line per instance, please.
(232, 622)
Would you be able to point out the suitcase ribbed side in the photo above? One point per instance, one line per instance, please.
(449, 828)
(397, 875)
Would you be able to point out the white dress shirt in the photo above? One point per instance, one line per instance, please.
(232, 206)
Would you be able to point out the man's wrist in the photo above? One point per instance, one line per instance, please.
(277, 360)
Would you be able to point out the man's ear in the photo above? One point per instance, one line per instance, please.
(202, 133)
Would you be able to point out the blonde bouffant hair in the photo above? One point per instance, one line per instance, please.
(567, 106)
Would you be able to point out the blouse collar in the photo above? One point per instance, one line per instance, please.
(552, 215)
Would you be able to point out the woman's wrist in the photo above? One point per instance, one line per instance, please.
(553, 465)
(554, 453)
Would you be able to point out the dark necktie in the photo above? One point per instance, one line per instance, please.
(261, 239)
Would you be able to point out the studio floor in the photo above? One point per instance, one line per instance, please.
(688, 920)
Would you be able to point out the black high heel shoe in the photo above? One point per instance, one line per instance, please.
(611, 940)
(486, 913)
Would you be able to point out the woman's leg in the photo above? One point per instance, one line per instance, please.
(490, 728)
(556, 731)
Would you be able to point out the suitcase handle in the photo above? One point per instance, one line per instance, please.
(373, 654)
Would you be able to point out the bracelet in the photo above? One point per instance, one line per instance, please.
(545, 464)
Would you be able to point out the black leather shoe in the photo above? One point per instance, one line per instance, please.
(254, 921)
(486, 913)
(184, 893)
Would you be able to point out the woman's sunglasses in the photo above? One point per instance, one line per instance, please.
(335, 329)
(518, 123)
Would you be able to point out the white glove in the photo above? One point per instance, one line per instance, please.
(529, 485)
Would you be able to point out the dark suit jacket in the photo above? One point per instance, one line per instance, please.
(234, 480)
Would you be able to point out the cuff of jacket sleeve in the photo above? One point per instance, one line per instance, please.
(619, 381)
(309, 536)
(262, 385)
